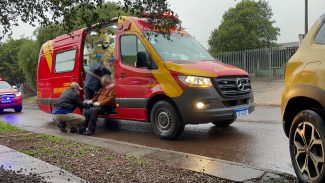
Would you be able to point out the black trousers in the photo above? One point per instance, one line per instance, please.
(91, 115)
(89, 93)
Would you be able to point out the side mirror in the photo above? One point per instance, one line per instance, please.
(142, 60)
(14, 87)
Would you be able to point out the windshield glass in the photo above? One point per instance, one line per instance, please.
(179, 47)
(4, 85)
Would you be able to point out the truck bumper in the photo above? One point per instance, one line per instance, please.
(216, 108)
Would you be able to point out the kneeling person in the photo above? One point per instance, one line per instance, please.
(103, 102)
(64, 107)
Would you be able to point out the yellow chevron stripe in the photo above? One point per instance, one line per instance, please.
(48, 48)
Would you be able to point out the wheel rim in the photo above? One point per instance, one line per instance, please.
(308, 151)
(164, 120)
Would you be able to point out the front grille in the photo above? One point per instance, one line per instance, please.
(7, 95)
(232, 86)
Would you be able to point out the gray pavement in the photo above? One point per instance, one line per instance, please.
(257, 140)
(268, 92)
(19, 162)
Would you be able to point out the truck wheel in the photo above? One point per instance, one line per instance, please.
(307, 135)
(224, 123)
(165, 121)
(18, 108)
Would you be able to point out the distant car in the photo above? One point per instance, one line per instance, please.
(303, 106)
(10, 98)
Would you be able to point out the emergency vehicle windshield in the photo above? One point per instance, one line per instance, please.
(178, 48)
(4, 85)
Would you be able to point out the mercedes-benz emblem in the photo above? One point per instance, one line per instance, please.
(240, 84)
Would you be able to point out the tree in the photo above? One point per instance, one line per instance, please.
(27, 59)
(49, 12)
(249, 25)
(9, 68)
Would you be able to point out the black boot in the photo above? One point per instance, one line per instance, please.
(73, 130)
(89, 133)
(62, 126)
(82, 129)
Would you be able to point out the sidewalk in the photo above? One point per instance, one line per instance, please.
(268, 92)
(31, 169)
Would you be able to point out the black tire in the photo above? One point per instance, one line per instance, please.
(165, 121)
(1, 110)
(18, 108)
(308, 125)
(224, 123)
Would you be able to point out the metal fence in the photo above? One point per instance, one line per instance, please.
(262, 63)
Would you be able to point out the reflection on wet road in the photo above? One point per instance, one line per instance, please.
(251, 140)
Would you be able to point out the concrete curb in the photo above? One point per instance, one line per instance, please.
(268, 104)
(211, 166)
(25, 164)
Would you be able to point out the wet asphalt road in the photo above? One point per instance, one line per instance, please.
(257, 140)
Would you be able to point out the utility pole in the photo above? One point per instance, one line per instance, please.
(306, 17)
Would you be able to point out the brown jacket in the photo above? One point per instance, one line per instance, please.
(105, 97)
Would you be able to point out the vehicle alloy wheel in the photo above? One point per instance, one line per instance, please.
(166, 121)
(309, 150)
(307, 146)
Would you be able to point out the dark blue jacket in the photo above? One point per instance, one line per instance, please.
(93, 83)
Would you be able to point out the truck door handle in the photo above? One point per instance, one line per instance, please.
(122, 75)
(73, 78)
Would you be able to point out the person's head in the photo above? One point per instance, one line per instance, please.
(104, 41)
(75, 86)
(106, 63)
(105, 44)
(106, 80)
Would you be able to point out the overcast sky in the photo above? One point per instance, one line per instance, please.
(200, 17)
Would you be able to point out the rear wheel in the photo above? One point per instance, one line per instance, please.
(165, 121)
(18, 108)
(224, 123)
(307, 135)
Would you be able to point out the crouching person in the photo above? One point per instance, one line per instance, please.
(64, 107)
(103, 102)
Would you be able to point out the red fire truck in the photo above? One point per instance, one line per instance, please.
(168, 81)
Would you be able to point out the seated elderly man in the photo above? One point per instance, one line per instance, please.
(64, 108)
(103, 102)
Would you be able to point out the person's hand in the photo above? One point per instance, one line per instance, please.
(110, 86)
(96, 104)
(88, 102)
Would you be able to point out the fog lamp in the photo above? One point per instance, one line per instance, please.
(200, 105)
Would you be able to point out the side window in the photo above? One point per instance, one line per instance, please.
(320, 38)
(64, 61)
(130, 46)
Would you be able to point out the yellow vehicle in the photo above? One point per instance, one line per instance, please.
(303, 104)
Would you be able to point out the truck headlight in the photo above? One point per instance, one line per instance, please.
(18, 94)
(195, 81)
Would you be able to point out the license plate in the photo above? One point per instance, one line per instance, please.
(5, 101)
(242, 112)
